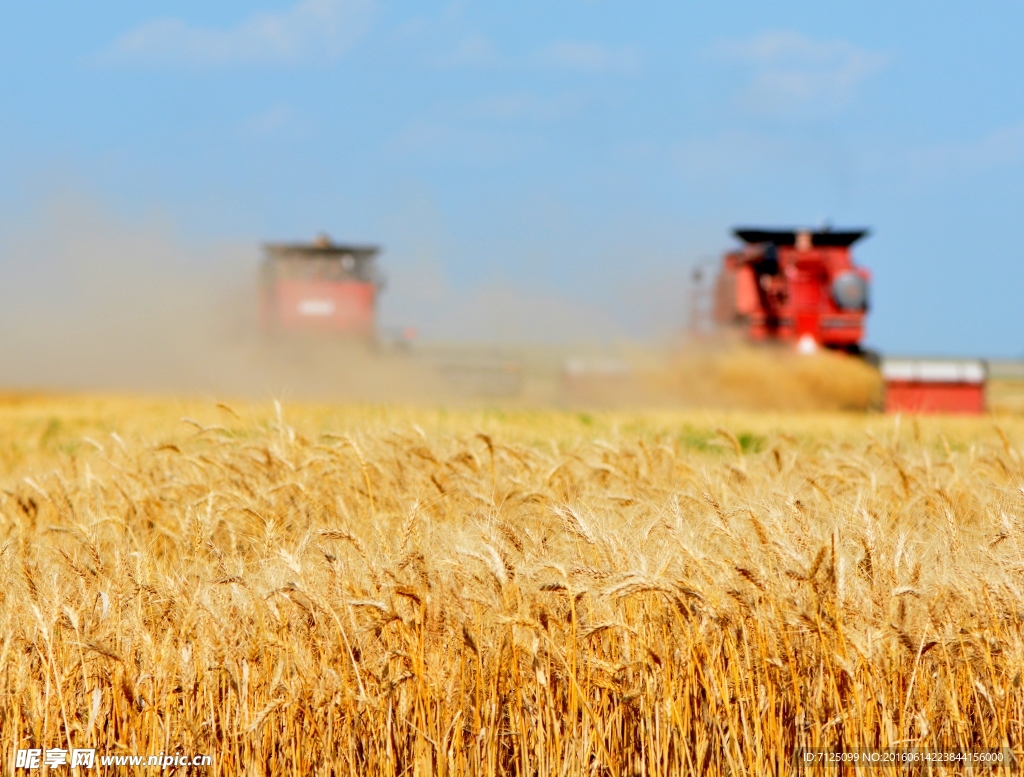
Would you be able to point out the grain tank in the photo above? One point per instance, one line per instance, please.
(798, 286)
(320, 286)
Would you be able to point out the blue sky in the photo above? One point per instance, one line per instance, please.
(541, 169)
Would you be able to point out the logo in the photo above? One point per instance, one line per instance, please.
(35, 758)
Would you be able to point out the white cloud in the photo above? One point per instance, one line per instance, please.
(1003, 147)
(279, 122)
(313, 30)
(791, 72)
(589, 57)
(474, 51)
(446, 138)
(577, 56)
(738, 166)
(492, 130)
(525, 106)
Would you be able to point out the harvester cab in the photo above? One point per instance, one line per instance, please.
(321, 286)
(798, 286)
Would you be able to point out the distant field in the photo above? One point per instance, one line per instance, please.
(1006, 396)
(355, 589)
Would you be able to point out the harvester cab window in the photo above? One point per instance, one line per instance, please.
(768, 264)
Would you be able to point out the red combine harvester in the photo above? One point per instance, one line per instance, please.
(798, 286)
(321, 287)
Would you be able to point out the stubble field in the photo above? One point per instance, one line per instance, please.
(359, 590)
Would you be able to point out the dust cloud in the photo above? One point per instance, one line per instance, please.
(90, 303)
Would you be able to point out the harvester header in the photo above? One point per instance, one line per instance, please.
(795, 285)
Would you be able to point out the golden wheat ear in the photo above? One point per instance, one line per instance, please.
(392, 591)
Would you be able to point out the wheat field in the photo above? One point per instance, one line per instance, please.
(361, 590)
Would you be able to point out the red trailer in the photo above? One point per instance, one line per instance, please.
(320, 287)
(798, 286)
(934, 385)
